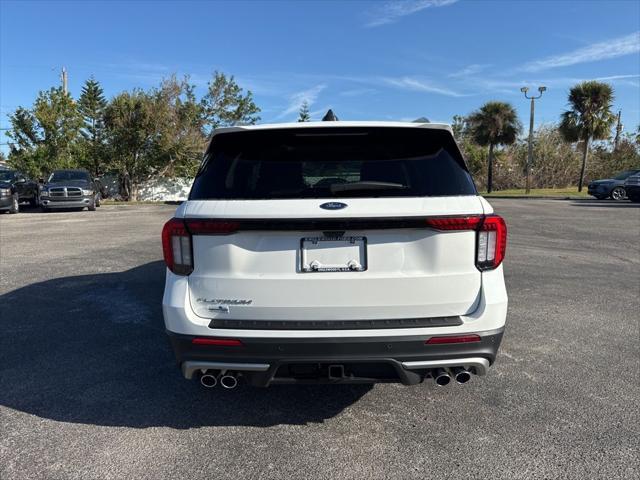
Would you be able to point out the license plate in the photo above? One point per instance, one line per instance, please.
(327, 254)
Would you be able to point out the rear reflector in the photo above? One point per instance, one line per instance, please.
(219, 342)
(453, 339)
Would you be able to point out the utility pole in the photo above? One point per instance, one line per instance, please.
(63, 77)
(530, 152)
(619, 128)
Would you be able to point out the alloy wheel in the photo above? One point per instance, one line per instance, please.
(618, 193)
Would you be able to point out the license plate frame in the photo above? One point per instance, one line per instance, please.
(311, 254)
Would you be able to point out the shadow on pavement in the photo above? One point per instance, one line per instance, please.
(92, 349)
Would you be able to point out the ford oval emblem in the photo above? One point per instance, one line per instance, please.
(333, 205)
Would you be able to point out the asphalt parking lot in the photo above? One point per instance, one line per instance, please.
(89, 388)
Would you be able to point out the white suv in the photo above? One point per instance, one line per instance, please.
(334, 252)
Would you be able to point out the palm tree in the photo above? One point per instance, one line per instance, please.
(496, 123)
(590, 117)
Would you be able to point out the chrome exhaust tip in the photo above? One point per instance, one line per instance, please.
(229, 381)
(461, 375)
(207, 380)
(441, 377)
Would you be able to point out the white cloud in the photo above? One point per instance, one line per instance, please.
(356, 92)
(392, 11)
(420, 85)
(297, 99)
(613, 48)
(512, 87)
(469, 70)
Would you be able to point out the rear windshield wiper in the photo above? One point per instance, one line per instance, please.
(349, 187)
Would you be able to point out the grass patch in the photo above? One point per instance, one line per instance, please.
(539, 192)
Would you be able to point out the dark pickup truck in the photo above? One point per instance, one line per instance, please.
(16, 187)
(70, 189)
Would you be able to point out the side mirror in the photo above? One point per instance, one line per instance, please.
(21, 180)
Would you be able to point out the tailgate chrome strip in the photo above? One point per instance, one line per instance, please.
(189, 367)
(481, 365)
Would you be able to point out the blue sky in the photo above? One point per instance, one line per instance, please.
(367, 60)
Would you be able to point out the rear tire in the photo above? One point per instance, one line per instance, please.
(97, 201)
(15, 204)
(618, 194)
(34, 201)
(92, 207)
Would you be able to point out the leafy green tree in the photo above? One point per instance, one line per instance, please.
(590, 117)
(131, 124)
(58, 117)
(24, 139)
(23, 131)
(91, 106)
(304, 115)
(605, 161)
(495, 123)
(46, 136)
(180, 121)
(226, 104)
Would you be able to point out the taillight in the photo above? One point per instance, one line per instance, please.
(176, 247)
(454, 223)
(492, 242)
(198, 226)
(491, 236)
(177, 244)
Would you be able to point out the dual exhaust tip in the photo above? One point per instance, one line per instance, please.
(443, 377)
(227, 380)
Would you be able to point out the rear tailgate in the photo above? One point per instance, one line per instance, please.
(408, 271)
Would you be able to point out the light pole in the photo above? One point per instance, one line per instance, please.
(530, 153)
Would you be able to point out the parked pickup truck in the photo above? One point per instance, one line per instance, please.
(334, 252)
(16, 187)
(70, 189)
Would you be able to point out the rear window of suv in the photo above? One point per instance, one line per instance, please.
(332, 162)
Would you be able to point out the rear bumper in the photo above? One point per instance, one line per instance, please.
(366, 354)
(265, 361)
